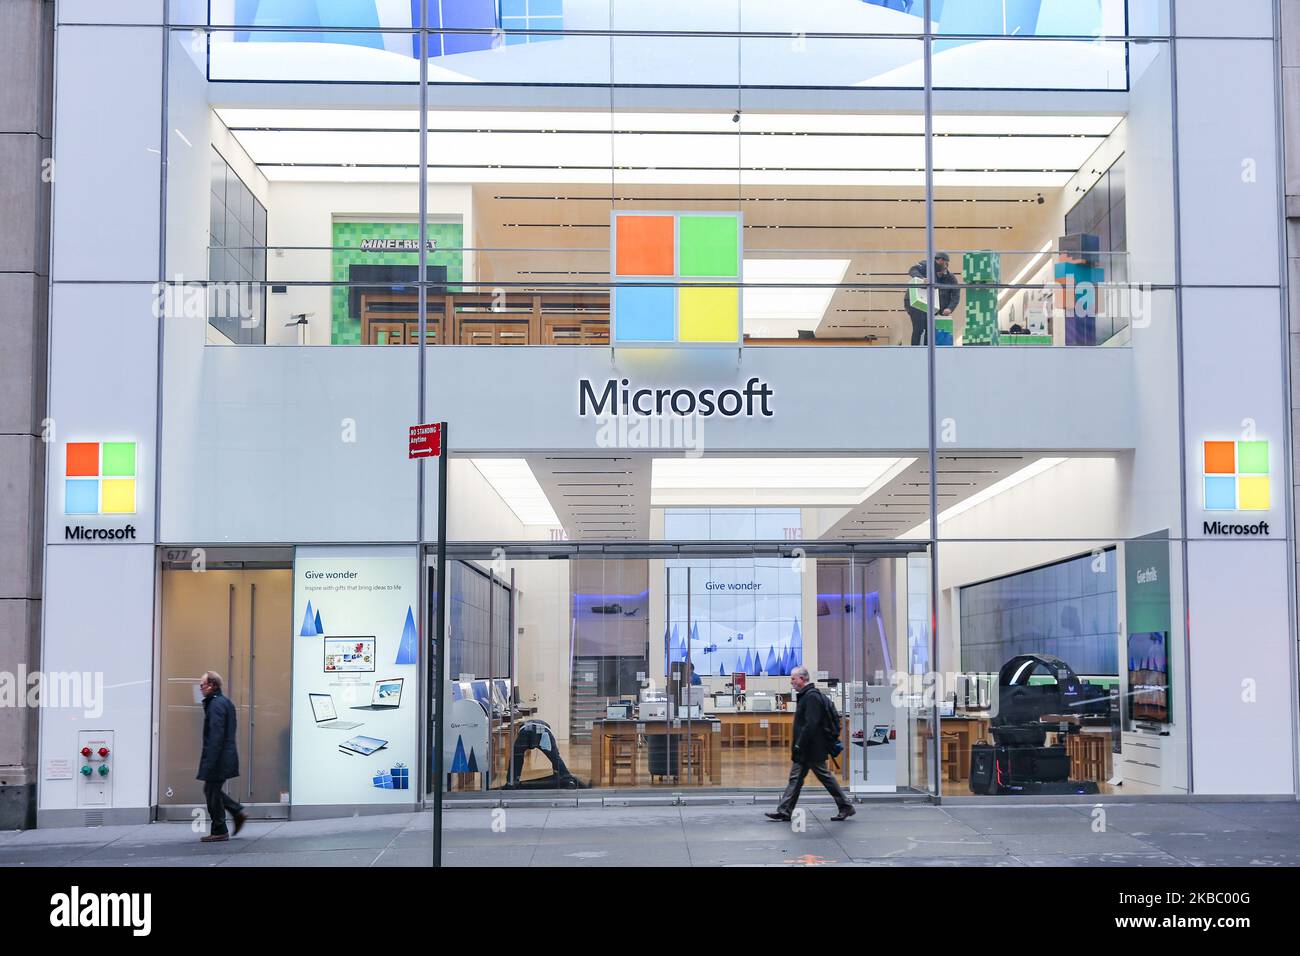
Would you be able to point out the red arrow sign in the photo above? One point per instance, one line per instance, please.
(426, 441)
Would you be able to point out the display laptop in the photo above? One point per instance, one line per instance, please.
(387, 695)
(364, 746)
(322, 708)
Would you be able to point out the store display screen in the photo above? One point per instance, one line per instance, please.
(1148, 676)
(348, 655)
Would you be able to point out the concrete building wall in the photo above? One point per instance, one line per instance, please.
(26, 60)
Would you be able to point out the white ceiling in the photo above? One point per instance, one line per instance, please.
(668, 148)
(610, 497)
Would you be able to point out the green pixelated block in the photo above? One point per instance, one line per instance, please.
(347, 238)
(980, 334)
(981, 267)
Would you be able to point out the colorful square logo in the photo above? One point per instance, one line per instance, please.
(99, 478)
(698, 257)
(1236, 475)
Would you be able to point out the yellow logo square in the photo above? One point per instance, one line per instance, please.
(117, 496)
(708, 314)
(1252, 493)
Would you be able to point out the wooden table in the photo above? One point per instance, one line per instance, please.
(968, 729)
(604, 731)
(737, 726)
(1089, 751)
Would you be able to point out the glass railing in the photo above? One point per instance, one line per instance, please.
(1059, 295)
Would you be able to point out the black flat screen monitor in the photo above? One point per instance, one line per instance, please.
(378, 279)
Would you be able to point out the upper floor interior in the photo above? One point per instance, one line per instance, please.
(607, 173)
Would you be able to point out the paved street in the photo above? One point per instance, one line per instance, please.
(885, 834)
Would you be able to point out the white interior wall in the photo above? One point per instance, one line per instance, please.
(542, 667)
(1080, 492)
(302, 214)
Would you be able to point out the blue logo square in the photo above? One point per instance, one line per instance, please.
(81, 496)
(645, 314)
(1220, 493)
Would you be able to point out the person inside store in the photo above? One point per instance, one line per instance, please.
(816, 732)
(949, 296)
(219, 760)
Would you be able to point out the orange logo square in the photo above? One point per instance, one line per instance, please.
(83, 459)
(1220, 458)
(644, 245)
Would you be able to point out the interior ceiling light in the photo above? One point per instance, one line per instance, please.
(514, 481)
(826, 481)
(992, 491)
(809, 285)
(640, 148)
(1029, 267)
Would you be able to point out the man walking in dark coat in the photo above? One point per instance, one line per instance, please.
(810, 749)
(219, 761)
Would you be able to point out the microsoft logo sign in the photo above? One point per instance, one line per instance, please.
(1236, 475)
(697, 257)
(99, 478)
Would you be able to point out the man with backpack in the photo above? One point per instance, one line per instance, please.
(816, 736)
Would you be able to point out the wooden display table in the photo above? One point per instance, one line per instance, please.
(702, 740)
(967, 728)
(741, 728)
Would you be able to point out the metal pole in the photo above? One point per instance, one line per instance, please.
(492, 673)
(1176, 186)
(439, 651)
(933, 408)
(252, 684)
(422, 581)
(690, 667)
(1288, 439)
(510, 685)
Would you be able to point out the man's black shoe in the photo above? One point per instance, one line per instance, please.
(777, 816)
(844, 814)
(240, 820)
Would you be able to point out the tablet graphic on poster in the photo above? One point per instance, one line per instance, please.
(873, 722)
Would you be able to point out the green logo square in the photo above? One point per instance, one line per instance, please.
(119, 459)
(1252, 458)
(709, 246)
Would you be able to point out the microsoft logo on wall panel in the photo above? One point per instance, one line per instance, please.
(1236, 478)
(698, 258)
(99, 478)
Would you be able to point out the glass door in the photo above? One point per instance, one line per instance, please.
(239, 624)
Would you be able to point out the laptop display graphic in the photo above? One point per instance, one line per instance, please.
(387, 695)
(322, 708)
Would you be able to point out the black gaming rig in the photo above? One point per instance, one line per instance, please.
(1018, 760)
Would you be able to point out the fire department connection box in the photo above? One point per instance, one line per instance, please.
(95, 768)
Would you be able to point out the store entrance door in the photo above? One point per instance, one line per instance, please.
(237, 620)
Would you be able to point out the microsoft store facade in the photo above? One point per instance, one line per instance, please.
(939, 348)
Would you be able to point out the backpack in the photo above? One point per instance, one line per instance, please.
(831, 727)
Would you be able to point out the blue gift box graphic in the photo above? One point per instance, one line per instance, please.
(397, 778)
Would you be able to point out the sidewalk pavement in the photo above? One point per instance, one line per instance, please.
(885, 834)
